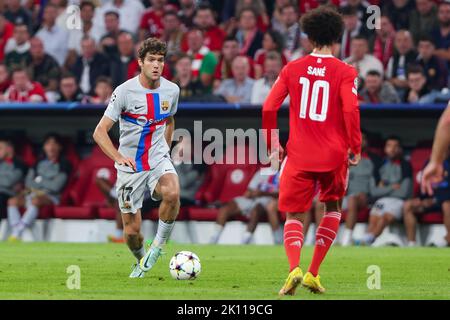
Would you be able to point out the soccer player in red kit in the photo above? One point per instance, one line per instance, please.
(324, 138)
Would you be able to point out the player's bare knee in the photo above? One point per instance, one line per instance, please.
(171, 196)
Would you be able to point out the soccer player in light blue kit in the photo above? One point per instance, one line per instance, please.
(144, 106)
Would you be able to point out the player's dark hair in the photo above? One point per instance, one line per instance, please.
(324, 26)
(152, 46)
(53, 136)
(374, 73)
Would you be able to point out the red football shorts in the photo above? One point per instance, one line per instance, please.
(298, 188)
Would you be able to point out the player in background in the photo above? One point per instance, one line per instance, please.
(144, 106)
(434, 171)
(324, 138)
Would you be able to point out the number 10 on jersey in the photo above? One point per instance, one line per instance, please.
(317, 85)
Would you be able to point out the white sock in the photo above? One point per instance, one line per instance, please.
(118, 233)
(278, 235)
(13, 216)
(30, 215)
(138, 253)
(247, 237)
(347, 237)
(163, 233)
(217, 232)
(412, 243)
(369, 238)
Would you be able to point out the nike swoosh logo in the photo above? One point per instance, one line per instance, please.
(145, 262)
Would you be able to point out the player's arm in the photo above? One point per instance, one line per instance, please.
(349, 99)
(102, 138)
(170, 128)
(271, 106)
(434, 171)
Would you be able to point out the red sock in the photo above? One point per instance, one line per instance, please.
(293, 241)
(325, 235)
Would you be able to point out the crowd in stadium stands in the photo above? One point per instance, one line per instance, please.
(218, 51)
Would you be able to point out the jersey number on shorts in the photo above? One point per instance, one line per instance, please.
(316, 89)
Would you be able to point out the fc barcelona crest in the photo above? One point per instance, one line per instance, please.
(165, 105)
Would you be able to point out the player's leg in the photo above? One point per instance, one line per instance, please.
(375, 219)
(446, 213)
(14, 217)
(256, 213)
(32, 205)
(226, 212)
(410, 210)
(392, 211)
(353, 204)
(333, 186)
(296, 193)
(274, 221)
(134, 240)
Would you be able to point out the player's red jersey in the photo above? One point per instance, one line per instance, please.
(323, 113)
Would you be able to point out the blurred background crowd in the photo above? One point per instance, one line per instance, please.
(218, 51)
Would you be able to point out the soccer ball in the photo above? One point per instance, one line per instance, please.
(185, 265)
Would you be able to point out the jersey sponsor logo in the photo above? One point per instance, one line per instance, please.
(314, 71)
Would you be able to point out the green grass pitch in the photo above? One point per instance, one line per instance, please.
(38, 271)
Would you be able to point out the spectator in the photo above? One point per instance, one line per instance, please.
(187, 13)
(441, 35)
(290, 27)
(417, 87)
(230, 50)
(383, 46)
(238, 89)
(435, 68)
(151, 23)
(203, 60)
(104, 184)
(108, 41)
(103, 90)
(205, 21)
(63, 14)
(352, 28)
(17, 48)
(172, 32)
(190, 89)
(394, 188)
(376, 90)
(304, 48)
(129, 11)
(423, 204)
(259, 6)
(403, 57)
(16, 14)
(90, 65)
(424, 19)
(277, 20)
(12, 171)
(358, 192)
(360, 6)
(6, 32)
(261, 88)
(42, 67)
(44, 184)
(120, 63)
(361, 59)
(69, 90)
(248, 35)
(272, 40)
(87, 11)
(261, 191)
(5, 82)
(24, 90)
(55, 38)
(399, 12)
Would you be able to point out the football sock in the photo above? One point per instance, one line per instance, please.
(278, 235)
(217, 233)
(293, 241)
(163, 232)
(247, 237)
(13, 216)
(368, 238)
(347, 236)
(138, 253)
(30, 215)
(325, 235)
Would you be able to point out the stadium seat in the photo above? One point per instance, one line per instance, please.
(431, 218)
(107, 213)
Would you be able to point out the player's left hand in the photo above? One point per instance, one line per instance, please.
(433, 173)
(353, 159)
